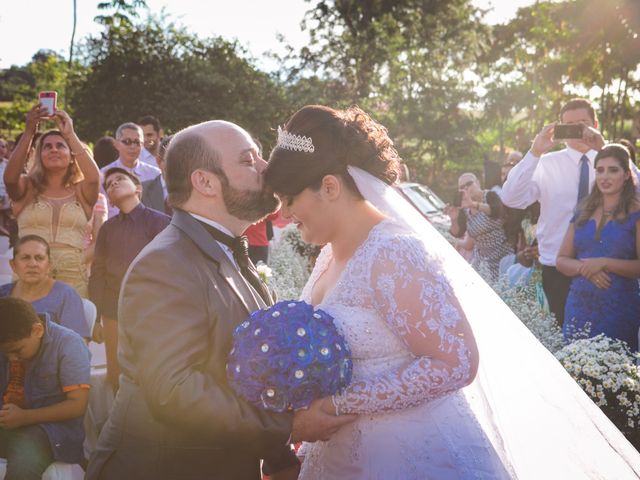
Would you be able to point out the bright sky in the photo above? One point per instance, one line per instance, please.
(27, 26)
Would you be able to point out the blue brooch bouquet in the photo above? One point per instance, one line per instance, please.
(288, 355)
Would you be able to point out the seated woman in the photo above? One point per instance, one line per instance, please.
(55, 199)
(601, 251)
(31, 265)
(481, 217)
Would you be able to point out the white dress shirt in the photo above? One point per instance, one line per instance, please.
(147, 157)
(553, 181)
(143, 171)
(225, 248)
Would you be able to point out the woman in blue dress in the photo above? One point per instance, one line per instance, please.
(601, 251)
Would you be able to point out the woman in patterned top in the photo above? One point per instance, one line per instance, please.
(481, 214)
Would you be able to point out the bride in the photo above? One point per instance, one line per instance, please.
(422, 326)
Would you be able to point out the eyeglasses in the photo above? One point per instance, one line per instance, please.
(128, 142)
(464, 186)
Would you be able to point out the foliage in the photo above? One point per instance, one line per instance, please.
(401, 61)
(160, 69)
(123, 12)
(19, 86)
(555, 50)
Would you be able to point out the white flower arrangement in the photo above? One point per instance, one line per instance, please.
(523, 302)
(264, 271)
(288, 268)
(606, 370)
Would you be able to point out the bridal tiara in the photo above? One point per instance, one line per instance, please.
(291, 141)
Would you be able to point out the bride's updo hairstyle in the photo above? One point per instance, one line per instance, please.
(334, 140)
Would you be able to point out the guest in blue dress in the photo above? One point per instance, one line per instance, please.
(601, 251)
(31, 264)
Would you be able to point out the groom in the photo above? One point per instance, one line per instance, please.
(175, 415)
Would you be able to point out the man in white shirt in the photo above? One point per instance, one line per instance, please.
(129, 140)
(553, 179)
(152, 133)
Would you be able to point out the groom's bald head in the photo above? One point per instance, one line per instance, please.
(191, 149)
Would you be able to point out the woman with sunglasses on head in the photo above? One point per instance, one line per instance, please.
(601, 251)
(481, 216)
(54, 200)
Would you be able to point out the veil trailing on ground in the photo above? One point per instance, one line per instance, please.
(536, 416)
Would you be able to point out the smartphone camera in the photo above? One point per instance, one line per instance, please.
(48, 100)
(564, 131)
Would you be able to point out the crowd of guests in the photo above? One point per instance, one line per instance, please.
(565, 220)
(76, 219)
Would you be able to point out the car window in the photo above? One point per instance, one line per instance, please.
(421, 200)
(432, 197)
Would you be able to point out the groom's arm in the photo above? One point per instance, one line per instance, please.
(166, 328)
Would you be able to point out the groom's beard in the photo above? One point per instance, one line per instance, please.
(249, 205)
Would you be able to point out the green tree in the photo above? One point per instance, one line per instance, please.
(405, 62)
(123, 15)
(158, 68)
(555, 50)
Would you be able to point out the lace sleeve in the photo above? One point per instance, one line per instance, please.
(412, 294)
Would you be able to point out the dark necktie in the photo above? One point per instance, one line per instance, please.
(240, 248)
(583, 184)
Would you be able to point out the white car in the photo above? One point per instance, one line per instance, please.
(427, 203)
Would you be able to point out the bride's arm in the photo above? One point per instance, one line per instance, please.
(411, 292)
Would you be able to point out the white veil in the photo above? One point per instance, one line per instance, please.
(537, 417)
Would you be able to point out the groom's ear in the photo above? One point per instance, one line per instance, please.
(205, 183)
(331, 187)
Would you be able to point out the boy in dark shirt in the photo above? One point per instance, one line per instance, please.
(44, 379)
(119, 241)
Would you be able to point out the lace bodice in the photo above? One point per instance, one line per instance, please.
(398, 313)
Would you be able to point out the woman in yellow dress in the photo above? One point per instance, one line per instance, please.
(54, 200)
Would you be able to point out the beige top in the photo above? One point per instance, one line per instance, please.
(57, 220)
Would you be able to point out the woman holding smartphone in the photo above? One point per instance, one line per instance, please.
(54, 200)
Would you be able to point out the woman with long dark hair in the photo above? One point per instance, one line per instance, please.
(601, 251)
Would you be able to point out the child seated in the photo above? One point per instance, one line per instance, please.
(44, 380)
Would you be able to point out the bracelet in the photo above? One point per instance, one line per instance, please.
(333, 400)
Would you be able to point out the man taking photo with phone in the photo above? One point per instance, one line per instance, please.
(559, 180)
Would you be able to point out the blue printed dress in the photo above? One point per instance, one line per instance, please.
(614, 311)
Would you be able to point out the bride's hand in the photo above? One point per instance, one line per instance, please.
(327, 406)
(313, 423)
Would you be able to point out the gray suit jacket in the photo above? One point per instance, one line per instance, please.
(153, 195)
(175, 416)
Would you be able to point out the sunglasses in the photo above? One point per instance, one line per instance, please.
(128, 142)
(466, 185)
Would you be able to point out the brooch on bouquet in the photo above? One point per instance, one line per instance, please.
(288, 355)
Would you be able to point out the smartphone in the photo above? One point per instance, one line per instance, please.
(48, 99)
(568, 131)
(457, 199)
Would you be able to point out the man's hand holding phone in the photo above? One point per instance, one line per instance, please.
(544, 141)
(593, 138)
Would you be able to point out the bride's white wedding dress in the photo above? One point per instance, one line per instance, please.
(414, 421)
(522, 417)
